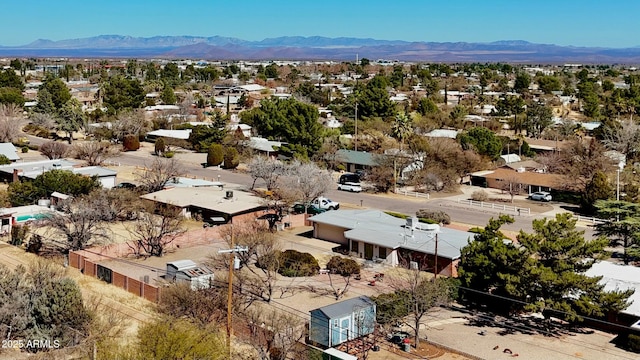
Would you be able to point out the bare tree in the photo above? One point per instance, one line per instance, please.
(512, 186)
(155, 230)
(304, 182)
(423, 294)
(625, 139)
(130, 123)
(345, 268)
(10, 116)
(274, 334)
(80, 222)
(44, 120)
(260, 263)
(267, 169)
(159, 173)
(54, 150)
(94, 152)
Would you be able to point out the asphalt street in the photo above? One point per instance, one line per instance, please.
(407, 205)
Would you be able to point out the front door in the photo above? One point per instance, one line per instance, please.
(344, 329)
(368, 251)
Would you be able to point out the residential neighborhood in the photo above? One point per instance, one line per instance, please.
(363, 209)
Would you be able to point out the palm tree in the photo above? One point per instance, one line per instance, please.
(401, 128)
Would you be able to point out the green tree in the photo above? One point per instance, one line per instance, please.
(4, 160)
(491, 263)
(231, 158)
(271, 71)
(373, 99)
(9, 78)
(71, 118)
(557, 284)
(512, 105)
(401, 128)
(9, 95)
(66, 182)
(45, 103)
(167, 96)
(159, 146)
(549, 83)
(119, 93)
(483, 141)
(522, 82)
(427, 107)
(215, 155)
(151, 73)
(539, 117)
(598, 188)
(288, 120)
(202, 136)
(58, 90)
(170, 74)
(621, 225)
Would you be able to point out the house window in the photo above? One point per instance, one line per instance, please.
(335, 323)
(361, 315)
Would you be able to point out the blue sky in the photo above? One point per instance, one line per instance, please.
(562, 22)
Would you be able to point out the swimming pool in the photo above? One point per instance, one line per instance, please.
(40, 216)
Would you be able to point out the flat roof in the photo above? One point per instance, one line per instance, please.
(617, 277)
(208, 198)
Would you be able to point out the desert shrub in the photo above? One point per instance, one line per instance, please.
(438, 217)
(479, 195)
(215, 155)
(343, 266)
(131, 143)
(36, 130)
(159, 146)
(295, 263)
(231, 158)
(4, 160)
(25, 149)
(19, 234)
(169, 154)
(35, 244)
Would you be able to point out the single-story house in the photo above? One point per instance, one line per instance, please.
(262, 145)
(207, 202)
(355, 160)
(10, 151)
(31, 170)
(617, 277)
(529, 181)
(377, 236)
(346, 320)
(442, 133)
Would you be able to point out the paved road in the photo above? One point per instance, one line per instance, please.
(407, 205)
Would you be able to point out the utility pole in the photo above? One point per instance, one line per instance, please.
(356, 117)
(435, 266)
(232, 264)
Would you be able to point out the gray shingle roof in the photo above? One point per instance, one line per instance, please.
(356, 157)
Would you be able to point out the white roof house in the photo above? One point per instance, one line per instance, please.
(443, 133)
(617, 277)
(252, 87)
(174, 134)
(8, 150)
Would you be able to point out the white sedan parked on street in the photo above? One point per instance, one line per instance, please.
(350, 186)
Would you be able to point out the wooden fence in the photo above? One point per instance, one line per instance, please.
(412, 193)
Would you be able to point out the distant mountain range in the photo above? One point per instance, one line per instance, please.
(318, 48)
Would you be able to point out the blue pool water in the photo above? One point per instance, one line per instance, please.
(23, 218)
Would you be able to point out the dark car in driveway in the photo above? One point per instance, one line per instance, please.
(311, 209)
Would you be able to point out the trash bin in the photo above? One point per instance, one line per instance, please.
(406, 347)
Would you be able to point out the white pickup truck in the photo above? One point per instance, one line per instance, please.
(350, 186)
(325, 203)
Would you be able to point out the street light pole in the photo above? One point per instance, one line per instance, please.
(356, 136)
(618, 184)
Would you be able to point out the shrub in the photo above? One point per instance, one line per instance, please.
(4, 160)
(215, 155)
(438, 217)
(168, 154)
(343, 266)
(159, 146)
(25, 149)
(633, 342)
(295, 263)
(231, 158)
(19, 234)
(479, 195)
(131, 143)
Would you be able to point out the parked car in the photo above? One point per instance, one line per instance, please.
(325, 203)
(540, 196)
(349, 186)
(311, 209)
(126, 185)
(352, 178)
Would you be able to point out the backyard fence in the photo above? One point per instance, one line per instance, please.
(412, 193)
